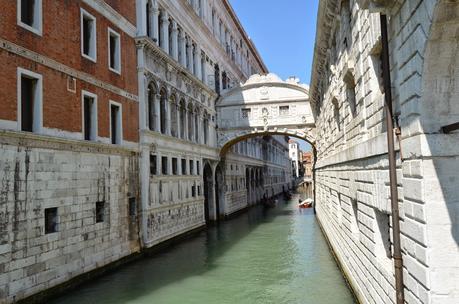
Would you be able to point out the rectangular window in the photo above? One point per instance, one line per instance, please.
(50, 220)
(193, 191)
(115, 123)
(100, 212)
(29, 101)
(114, 51)
(184, 166)
(132, 207)
(245, 113)
(191, 167)
(164, 165)
(89, 116)
(153, 168)
(88, 36)
(30, 15)
(174, 166)
(198, 168)
(283, 110)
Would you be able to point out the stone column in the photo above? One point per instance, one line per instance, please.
(185, 127)
(182, 42)
(178, 119)
(164, 43)
(189, 53)
(174, 40)
(156, 23)
(158, 112)
(197, 60)
(168, 118)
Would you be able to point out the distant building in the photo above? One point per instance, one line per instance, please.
(307, 160)
(294, 155)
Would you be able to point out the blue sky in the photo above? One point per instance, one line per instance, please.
(283, 32)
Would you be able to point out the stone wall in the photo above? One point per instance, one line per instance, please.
(352, 169)
(38, 173)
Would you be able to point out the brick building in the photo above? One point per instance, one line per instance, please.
(69, 134)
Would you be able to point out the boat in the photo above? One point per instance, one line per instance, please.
(307, 203)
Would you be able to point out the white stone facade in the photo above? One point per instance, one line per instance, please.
(352, 176)
(45, 173)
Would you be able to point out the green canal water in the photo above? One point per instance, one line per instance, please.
(264, 256)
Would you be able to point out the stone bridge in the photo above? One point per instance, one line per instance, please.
(264, 105)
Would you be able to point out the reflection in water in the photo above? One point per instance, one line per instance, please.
(263, 256)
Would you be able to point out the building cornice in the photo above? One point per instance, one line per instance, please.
(328, 10)
(214, 44)
(146, 42)
(249, 42)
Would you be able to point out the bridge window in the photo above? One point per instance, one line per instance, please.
(245, 113)
(283, 110)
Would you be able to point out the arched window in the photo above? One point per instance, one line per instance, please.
(190, 121)
(196, 125)
(163, 111)
(174, 116)
(206, 128)
(182, 118)
(152, 115)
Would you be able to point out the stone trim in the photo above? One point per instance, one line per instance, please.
(113, 16)
(373, 147)
(32, 140)
(52, 64)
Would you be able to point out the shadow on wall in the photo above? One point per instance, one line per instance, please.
(440, 107)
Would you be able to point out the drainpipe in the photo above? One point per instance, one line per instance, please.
(314, 155)
(397, 255)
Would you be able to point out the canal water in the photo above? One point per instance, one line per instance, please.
(264, 256)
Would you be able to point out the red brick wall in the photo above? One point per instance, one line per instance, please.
(61, 41)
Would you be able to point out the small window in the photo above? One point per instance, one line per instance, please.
(115, 123)
(114, 51)
(132, 207)
(174, 166)
(184, 166)
(29, 101)
(100, 212)
(245, 113)
(88, 36)
(198, 168)
(153, 165)
(164, 165)
(283, 110)
(193, 191)
(191, 167)
(50, 220)
(30, 15)
(89, 116)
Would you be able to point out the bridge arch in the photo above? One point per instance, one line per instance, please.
(264, 105)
